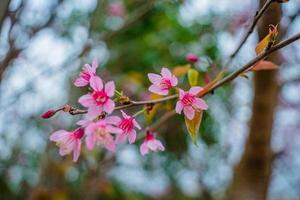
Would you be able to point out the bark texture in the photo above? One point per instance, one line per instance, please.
(252, 174)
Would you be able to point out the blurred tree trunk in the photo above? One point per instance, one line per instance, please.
(252, 175)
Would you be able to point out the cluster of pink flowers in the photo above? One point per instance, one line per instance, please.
(106, 132)
(99, 127)
(188, 101)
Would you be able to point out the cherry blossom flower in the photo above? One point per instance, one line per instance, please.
(99, 99)
(100, 133)
(68, 142)
(127, 125)
(151, 144)
(189, 102)
(161, 84)
(192, 58)
(85, 75)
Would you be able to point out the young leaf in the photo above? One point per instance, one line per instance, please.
(264, 65)
(268, 41)
(194, 125)
(193, 77)
(181, 70)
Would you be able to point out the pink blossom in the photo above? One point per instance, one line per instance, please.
(127, 125)
(100, 133)
(68, 142)
(116, 9)
(86, 74)
(189, 102)
(151, 144)
(161, 84)
(99, 99)
(191, 58)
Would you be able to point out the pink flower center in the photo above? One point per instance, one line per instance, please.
(100, 97)
(126, 125)
(78, 133)
(187, 99)
(165, 84)
(101, 133)
(149, 136)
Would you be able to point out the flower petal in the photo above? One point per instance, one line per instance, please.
(121, 138)
(158, 90)
(94, 65)
(174, 81)
(179, 107)
(181, 93)
(113, 129)
(80, 82)
(86, 100)
(189, 112)
(195, 90)
(60, 136)
(132, 136)
(96, 83)
(109, 106)
(154, 78)
(110, 88)
(144, 149)
(113, 120)
(94, 111)
(166, 73)
(200, 104)
(90, 141)
(76, 150)
(125, 115)
(136, 124)
(110, 144)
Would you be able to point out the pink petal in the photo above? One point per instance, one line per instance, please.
(166, 73)
(83, 122)
(132, 137)
(144, 149)
(60, 136)
(174, 81)
(90, 141)
(80, 82)
(96, 83)
(179, 107)
(76, 150)
(200, 104)
(67, 147)
(94, 65)
(195, 90)
(88, 69)
(157, 90)
(181, 93)
(86, 100)
(189, 112)
(110, 144)
(154, 78)
(113, 120)
(113, 129)
(109, 106)
(125, 115)
(136, 124)
(110, 88)
(121, 138)
(157, 145)
(94, 111)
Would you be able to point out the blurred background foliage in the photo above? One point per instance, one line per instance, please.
(43, 46)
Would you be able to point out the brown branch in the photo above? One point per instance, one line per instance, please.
(216, 85)
(251, 29)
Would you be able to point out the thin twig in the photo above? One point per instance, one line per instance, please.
(255, 20)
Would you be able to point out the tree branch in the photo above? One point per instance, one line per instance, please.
(255, 20)
(220, 83)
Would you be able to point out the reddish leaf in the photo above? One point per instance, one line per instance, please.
(264, 65)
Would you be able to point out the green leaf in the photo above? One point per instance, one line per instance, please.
(194, 125)
(193, 77)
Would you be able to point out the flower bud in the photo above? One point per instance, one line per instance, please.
(48, 114)
(192, 58)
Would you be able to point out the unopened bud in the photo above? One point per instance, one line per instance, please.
(192, 58)
(48, 114)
